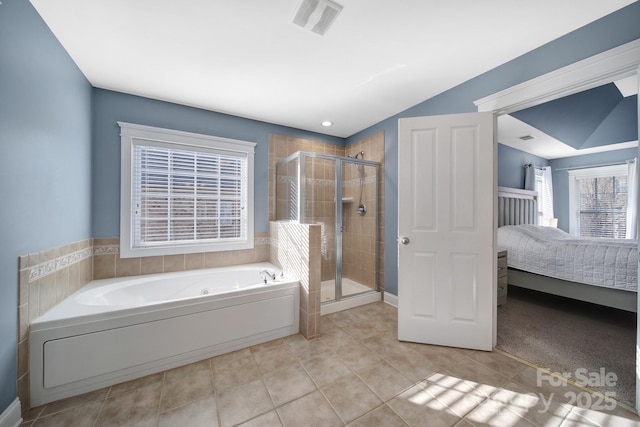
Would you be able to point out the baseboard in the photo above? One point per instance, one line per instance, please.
(391, 299)
(11, 417)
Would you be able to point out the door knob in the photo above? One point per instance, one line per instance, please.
(404, 240)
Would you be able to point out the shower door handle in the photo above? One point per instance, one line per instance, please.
(405, 240)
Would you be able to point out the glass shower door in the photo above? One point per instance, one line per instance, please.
(340, 195)
(359, 228)
(320, 208)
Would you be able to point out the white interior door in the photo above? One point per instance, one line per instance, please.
(446, 244)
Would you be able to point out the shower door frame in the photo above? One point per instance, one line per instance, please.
(302, 208)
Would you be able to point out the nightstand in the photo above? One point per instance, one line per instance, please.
(503, 277)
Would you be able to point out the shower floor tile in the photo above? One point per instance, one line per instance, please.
(349, 287)
(346, 377)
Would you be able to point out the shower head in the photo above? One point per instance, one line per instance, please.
(361, 154)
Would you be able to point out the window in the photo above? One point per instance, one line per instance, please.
(183, 192)
(598, 201)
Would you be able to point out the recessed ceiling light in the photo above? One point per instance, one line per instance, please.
(327, 123)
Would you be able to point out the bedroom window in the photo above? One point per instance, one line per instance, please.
(598, 201)
(184, 193)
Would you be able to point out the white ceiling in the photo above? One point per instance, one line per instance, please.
(245, 57)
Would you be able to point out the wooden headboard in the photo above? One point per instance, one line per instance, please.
(516, 206)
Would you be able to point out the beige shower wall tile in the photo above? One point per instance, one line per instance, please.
(47, 293)
(23, 391)
(62, 284)
(262, 253)
(104, 266)
(81, 244)
(304, 320)
(87, 271)
(213, 259)
(280, 149)
(127, 267)
(23, 322)
(76, 276)
(313, 323)
(314, 302)
(34, 259)
(109, 241)
(151, 265)
(245, 256)
(23, 262)
(304, 299)
(173, 263)
(194, 261)
(34, 300)
(23, 357)
(23, 287)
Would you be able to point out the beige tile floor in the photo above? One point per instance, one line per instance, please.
(356, 374)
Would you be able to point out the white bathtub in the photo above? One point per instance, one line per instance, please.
(114, 330)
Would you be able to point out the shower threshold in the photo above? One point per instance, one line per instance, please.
(354, 294)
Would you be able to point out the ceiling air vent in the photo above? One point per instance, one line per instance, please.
(316, 15)
(526, 137)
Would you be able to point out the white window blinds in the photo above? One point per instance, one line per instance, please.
(186, 196)
(598, 200)
(183, 192)
(603, 206)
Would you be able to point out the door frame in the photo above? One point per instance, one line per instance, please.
(606, 67)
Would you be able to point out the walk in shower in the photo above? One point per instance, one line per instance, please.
(341, 195)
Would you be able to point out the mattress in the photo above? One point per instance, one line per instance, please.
(610, 263)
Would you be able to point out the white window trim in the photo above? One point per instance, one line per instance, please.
(130, 132)
(588, 172)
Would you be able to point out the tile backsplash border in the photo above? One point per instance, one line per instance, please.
(48, 267)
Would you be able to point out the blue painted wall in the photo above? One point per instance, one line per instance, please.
(613, 30)
(110, 107)
(561, 178)
(58, 181)
(45, 165)
(511, 163)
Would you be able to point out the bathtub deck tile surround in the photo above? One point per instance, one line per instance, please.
(463, 389)
(44, 279)
(295, 248)
(108, 264)
(47, 277)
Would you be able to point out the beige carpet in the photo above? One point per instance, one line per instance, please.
(564, 335)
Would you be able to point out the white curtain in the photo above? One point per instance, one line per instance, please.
(544, 187)
(632, 199)
(539, 179)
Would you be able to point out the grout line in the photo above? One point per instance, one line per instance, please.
(104, 402)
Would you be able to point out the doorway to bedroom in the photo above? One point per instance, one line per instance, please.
(560, 331)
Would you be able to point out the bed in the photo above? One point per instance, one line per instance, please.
(546, 259)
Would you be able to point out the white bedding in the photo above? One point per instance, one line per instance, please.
(611, 263)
